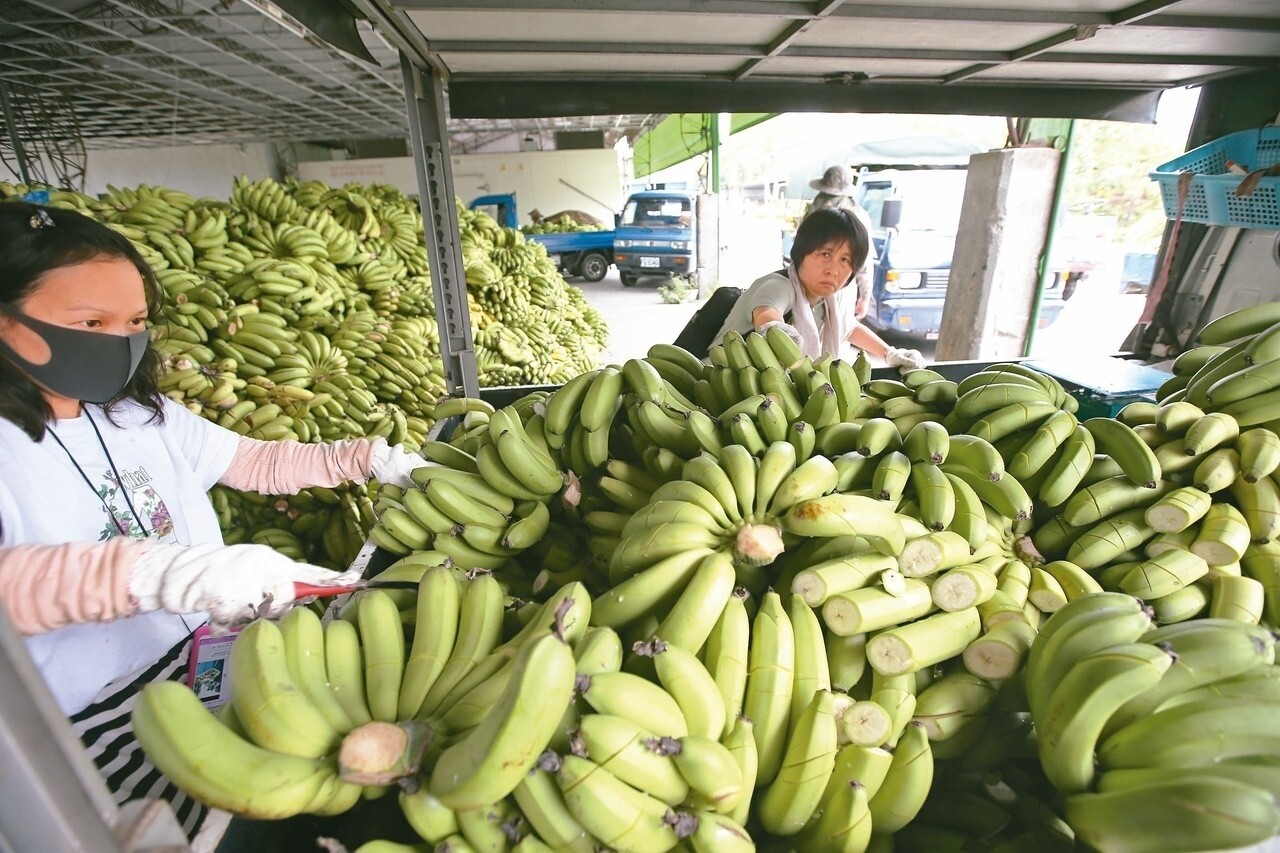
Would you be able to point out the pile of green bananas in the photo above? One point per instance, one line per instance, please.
(304, 312)
(1160, 738)
(561, 224)
(784, 541)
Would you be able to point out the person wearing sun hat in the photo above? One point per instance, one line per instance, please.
(836, 188)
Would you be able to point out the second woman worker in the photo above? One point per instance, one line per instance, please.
(809, 300)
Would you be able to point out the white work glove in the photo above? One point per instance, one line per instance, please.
(234, 583)
(392, 464)
(908, 358)
(790, 331)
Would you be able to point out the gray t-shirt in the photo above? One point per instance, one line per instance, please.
(770, 291)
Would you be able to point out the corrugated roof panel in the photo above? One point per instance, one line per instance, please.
(1095, 73)
(1177, 42)
(925, 34)
(558, 26)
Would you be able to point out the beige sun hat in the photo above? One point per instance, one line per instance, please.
(837, 180)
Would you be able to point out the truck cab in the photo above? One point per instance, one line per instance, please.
(655, 236)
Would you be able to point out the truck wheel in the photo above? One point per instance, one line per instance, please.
(629, 279)
(593, 266)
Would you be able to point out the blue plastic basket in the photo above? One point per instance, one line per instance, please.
(1211, 198)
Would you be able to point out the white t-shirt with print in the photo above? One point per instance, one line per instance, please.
(166, 469)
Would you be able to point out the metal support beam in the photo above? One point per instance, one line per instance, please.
(515, 98)
(789, 34)
(429, 140)
(11, 128)
(54, 798)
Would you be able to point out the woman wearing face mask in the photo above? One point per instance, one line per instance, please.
(110, 551)
(808, 300)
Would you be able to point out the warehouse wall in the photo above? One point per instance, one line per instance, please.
(202, 170)
(541, 179)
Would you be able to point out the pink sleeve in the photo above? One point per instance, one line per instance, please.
(287, 467)
(43, 587)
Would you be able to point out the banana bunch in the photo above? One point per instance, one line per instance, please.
(1179, 543)
(919, 395)
(1160, 737)
(562, 224)
(214, 386)
(481, 509)
(1232, 370)
(263, 198)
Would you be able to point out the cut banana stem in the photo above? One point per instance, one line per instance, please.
(1239, 598)
(818, 583)
(999, 653)
(870, 608)
(963, 587)
(912, 647)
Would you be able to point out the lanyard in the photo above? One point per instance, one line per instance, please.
(124, 492)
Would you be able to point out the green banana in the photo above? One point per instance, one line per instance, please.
(1175, 814)
(543, 806)
(612, 811)
(770, 681)
(906, 784)
(633, 754)
(488, 763)
(217, 766)
(793, 796)
(274, 711)
(1126, 447)
(1078, 709)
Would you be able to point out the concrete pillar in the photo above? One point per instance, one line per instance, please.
(708, 249)
(1007, 201)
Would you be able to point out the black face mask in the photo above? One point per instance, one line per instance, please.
(92, 367)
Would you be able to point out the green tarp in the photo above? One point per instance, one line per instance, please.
(681, 136)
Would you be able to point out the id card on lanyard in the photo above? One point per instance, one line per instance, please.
(209, 669)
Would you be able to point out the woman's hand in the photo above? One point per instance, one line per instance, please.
(393, 465)
(789, 330)
(234, 583)
(909, 358)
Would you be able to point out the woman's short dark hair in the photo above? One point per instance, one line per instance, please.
(34, 241)
(831, 224)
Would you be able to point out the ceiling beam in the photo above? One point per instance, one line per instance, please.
(792, 31)
(519, 97)
(1080, 32)
(867, 11)
(989, 57)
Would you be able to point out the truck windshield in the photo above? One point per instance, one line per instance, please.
(657, 212)
(932, 198)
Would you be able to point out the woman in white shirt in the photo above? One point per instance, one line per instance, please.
(110, 551)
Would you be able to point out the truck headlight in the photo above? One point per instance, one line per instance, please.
(622, 244)
(896, 280)
(679, 245)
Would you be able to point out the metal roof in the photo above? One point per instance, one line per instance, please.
(1064, 58)
(138, 73)
(131, 73)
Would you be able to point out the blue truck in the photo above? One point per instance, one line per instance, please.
(655, 235)
(579, 253)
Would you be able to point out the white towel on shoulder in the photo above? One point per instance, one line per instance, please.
(814, 343)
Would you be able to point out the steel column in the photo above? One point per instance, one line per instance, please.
(429, 140)
(54, 798)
